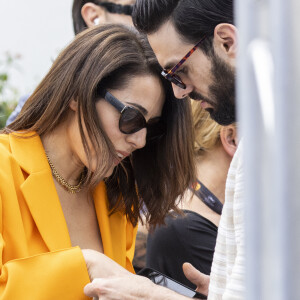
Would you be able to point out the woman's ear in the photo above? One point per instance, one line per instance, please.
(93, 14)
(228, 136)
(73, 105)
(226, 40)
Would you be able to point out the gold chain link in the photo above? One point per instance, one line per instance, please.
(73, 189)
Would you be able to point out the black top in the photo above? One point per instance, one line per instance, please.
(191, 238)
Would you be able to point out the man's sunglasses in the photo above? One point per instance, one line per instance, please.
(132, 120)
(170, 74)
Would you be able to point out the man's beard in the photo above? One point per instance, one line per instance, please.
(221, 91)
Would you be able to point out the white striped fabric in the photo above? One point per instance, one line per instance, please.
(228, 268)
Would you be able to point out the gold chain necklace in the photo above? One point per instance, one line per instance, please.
(73, 189)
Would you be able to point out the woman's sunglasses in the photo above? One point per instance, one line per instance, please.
(170, 74)
(132, 120)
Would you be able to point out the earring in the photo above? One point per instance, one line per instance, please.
(96, 21)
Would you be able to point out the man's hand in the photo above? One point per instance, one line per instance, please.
(130, 287)
(196, 277)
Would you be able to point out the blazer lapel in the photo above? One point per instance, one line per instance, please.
(112, 227)
(39, 192)
(101, 206)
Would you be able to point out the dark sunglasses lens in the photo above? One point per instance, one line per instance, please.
(131, 121)
(155, 129)
(174, 79)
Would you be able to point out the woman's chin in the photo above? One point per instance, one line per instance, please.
(109, 172)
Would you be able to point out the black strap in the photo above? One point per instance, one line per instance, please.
(117, 8)
(206, 196)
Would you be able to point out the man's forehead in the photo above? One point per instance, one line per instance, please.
(167, 45)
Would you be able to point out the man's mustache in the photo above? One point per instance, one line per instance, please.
(198, 97)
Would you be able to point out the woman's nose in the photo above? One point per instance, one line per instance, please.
(182, 93)
(138, 139)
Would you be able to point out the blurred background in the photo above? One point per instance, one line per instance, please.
(32, 33)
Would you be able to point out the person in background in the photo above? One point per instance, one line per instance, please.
(192, 237)
(79, 158)
(86, 14)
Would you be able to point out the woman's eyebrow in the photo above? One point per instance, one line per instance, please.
(141, 108)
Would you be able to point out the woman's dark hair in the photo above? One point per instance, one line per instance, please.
(107, 57)
(192, 19)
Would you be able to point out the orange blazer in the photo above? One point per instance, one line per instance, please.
(37, 259)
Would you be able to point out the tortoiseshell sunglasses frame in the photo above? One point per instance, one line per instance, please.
(174, 78)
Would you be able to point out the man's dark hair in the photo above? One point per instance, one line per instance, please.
(78, 22)
(192, 19)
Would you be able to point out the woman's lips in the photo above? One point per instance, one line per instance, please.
(121, 155)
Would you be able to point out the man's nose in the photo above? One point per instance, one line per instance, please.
(182, 93)
(138, 139)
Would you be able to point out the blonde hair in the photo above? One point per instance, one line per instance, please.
(207, 131)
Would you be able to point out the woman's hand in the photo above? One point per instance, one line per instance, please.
(196, 277)
(101, 266)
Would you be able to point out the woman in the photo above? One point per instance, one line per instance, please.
(192, 238)
(74, 165)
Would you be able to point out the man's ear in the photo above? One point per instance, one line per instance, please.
(93, 14)
(228, 136)
(226, 40)
(73, 105)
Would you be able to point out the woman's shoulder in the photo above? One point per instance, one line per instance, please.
(24, 151)
(10, 144)
(16, 140)
(5, 149)
(8, 163)
(4, 141)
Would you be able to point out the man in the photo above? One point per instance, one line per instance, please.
(86, 14)
(195, 42)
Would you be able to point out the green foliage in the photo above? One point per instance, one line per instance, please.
(9, 95)
(6, 108)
